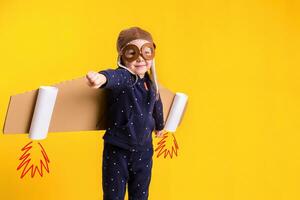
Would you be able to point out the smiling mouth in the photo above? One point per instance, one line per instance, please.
(140, 65)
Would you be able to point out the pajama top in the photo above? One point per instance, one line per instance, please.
(133, 110)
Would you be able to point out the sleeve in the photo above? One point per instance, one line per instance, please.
(158, 114)
(115, 78)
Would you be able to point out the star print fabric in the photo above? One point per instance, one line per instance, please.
(133, 111)
(122, 166)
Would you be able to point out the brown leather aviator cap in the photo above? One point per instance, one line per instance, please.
(133, 33)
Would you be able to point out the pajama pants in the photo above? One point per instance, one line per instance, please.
(121, 166)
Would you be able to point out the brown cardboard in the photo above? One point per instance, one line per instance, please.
(77, 108)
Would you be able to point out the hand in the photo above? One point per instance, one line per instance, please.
(159, 134)
(95, 80)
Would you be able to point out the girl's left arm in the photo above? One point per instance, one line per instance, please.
(158, 115)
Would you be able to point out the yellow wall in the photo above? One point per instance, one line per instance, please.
(237, 60)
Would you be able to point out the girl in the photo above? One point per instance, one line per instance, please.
(135, 110)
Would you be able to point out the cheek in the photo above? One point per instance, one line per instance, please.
(149, 63)
(131, 65)
(128, 64)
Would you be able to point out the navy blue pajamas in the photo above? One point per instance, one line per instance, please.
(121, 166)
(133, 113)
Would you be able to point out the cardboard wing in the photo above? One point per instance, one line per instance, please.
(77, 107)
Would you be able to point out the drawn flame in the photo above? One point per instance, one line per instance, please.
(163, 148)
(27, 163)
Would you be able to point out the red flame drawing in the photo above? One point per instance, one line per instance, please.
(27, 162)
(163, 149)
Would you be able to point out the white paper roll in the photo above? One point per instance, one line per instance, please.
(42, 112)
(176, 112)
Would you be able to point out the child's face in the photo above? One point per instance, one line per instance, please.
(139, 66)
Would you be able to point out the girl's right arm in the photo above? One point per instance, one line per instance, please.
(95, 79)
(110, 78)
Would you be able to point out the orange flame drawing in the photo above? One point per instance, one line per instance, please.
(162, 147)
(27, 162)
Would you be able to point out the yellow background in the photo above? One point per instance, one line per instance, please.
(237, 60)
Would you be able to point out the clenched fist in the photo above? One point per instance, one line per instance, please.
(159, 134)
(95, 80)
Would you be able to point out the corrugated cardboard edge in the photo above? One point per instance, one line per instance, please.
(8, 106)
(166, 95)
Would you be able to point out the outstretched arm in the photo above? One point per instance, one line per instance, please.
(95, 80)
(110, 78)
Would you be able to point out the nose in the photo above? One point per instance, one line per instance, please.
(140, 59)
